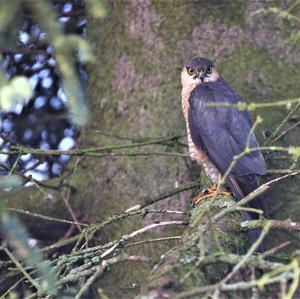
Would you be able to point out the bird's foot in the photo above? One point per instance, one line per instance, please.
(210, 192)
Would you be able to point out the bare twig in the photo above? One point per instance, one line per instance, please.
(285, 132)
(44, 217)
(66, 198)
(275, 249)
(99, 269)
(271, 139)
(233, 286)
(79, 152)
(22, 270)
(250, 252)
(253, 106)
(141, 231)
(154, 240)
(252, 195)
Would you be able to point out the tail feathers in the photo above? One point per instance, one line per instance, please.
(240, 187)
(253, 234)
(235, 188)
(247, 184)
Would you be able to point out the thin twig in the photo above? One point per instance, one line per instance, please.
(271, 139)
(22, 270)
(104, 265)
(66, 198)
(141, 231)
(233, 286)
(257, 105)
(285, 132)
(44, 217)
(274, 249)
(249, 253)
(264, 187)
(78, 152)
(154, 240)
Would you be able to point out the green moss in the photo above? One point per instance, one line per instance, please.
(179, 270)
(230, 12)
(258, 76)
(177, 23)
(227, 231)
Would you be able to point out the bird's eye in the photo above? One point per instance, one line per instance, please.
(209, 70)
(191, 71)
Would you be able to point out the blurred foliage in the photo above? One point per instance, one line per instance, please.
(26, 256)
(14, 91)
(43, 278)
(44, 119)
(17, 238)
(65, 46)
(96, 8)
(10, 182)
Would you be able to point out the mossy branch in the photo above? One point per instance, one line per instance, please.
(287, 224)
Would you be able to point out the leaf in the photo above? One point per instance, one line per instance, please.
(96, 8)
(22, 87)
(17, 90)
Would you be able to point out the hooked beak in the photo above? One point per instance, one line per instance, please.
(201, 75)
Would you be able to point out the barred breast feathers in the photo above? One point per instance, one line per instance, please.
(195, 153)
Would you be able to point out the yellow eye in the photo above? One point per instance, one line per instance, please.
(191, 71)
(209, 70)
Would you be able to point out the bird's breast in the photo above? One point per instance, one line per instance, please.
(196, 153)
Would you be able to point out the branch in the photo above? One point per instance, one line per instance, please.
(287, 224)
(139, 232)
(45, 217)
(271, 139)
(233, 286)
(25, 51)
(89, 231)
(150, 200)
(252, 195)
(79, 152)
(74, 276)
(23, 270)
(252, 106)
(250, 252)
(154, 240)
(285, 132)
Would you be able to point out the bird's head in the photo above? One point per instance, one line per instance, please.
(198, 70)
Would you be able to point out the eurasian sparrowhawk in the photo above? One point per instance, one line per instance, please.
(216, 134)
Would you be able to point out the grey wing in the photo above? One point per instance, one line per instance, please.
(222, 132)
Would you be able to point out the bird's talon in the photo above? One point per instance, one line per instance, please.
(200, 197)
(209, 193)
(225, 193)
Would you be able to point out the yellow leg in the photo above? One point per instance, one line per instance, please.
(209, 193)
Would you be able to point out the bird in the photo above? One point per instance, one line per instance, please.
(217, 133)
